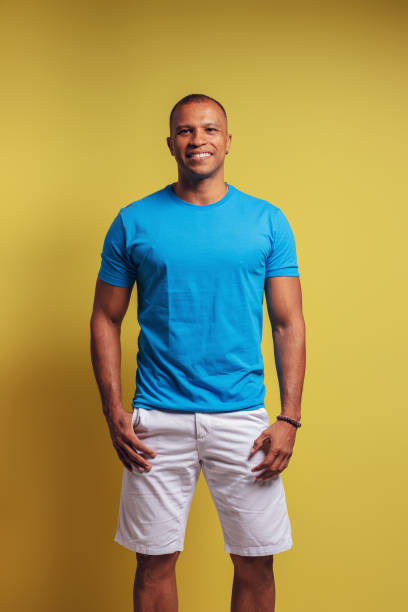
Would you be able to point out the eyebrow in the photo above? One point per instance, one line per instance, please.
(178, 127)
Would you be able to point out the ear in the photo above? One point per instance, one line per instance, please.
(229, 142)
(169, 144)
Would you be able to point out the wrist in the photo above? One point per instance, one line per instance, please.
(292, 412)
(113, 411)
(293, 422)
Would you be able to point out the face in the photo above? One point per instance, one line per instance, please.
(198, 138)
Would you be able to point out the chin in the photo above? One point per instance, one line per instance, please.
(200, 174)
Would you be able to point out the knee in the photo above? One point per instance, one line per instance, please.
(155, 568)
(252, 568)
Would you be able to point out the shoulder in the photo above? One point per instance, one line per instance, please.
(141, 205)
(261, 204)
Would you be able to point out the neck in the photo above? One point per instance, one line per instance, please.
(202, 191)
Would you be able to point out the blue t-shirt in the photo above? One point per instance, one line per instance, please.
(200, 274)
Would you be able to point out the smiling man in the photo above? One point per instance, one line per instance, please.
(203, 254)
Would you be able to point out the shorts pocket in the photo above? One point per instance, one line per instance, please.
(139, 420)
(136, 418)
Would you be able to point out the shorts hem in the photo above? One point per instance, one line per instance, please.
(146, 549)
(254, 551)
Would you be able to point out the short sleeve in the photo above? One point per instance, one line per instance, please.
(282, 260)
(116, 267)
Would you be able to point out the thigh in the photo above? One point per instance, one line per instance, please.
(253, 514)
(154, 505)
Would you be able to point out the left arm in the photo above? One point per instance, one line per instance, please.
(284, 303)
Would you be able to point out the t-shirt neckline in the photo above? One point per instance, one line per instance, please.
(223, 200)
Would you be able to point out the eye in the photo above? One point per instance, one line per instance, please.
(184, 130)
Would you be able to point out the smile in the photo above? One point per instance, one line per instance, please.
(199, 155)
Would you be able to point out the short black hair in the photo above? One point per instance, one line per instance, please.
(193, 98)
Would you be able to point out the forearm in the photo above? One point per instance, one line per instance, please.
(106, 362)
(290, 360)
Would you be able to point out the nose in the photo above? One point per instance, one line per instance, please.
(197, 137)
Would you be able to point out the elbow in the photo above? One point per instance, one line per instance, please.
(101, 319)
(295, 324)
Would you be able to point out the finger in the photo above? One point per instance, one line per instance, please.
(260, 466)
(123, 459)
(273, 470)
(276, 461)
(267, 475)
(280, 462)
(135, 444)
(139, 461)
(142, 447)
(283, 464)
(258, 443)
(268, 460)
(134, 457)
(265, 463)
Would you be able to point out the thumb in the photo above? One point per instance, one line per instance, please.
(257, 444)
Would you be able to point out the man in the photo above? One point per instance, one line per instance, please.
(202, 253)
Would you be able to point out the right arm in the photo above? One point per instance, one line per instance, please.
(110, 306)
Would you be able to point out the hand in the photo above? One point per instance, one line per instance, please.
(277, 441)
(127, 443)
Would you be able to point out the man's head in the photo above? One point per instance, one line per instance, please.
(199, 138)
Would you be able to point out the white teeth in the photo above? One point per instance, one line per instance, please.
(200, 154)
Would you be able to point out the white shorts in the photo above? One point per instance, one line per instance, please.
(154, 505)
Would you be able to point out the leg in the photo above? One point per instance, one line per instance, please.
(253, 514)
(155, 588)
(154, 505)
(253, 588)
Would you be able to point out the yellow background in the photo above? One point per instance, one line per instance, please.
(316, 96)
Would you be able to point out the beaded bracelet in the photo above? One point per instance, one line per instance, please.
(282, 417)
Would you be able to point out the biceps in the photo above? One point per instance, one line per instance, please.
(111, 301)
(283, 299)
